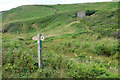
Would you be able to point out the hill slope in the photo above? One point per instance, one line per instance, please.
(74, 47)
(34, 11)
(38, 18)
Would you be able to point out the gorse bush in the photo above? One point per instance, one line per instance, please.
(101, 49)
(90, 12)
(82, 56)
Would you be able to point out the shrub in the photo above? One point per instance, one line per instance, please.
(97, 70)
(68, 44)
(102, 49)
(82, 55)
(21, 39)
(90, 12)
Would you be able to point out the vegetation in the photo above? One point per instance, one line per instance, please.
(74, 47)
(0, 56)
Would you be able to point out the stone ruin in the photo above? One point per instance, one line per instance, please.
(81, 14)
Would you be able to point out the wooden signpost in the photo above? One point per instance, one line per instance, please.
(40, 38)
(39, 52)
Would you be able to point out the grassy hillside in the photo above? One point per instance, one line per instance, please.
(74, 47)
(35, 11)
(26, 12)
(0, 55)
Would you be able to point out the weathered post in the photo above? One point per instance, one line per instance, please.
(40, 64)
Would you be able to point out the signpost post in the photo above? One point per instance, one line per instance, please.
(40, 64)
(39, 51)
(40, 38)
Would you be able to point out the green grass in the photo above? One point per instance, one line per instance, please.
(26, 12)
(74, 47)
(0, 56)
(35, 11)
(66, 48)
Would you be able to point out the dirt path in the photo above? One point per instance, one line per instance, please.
(72, 23)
